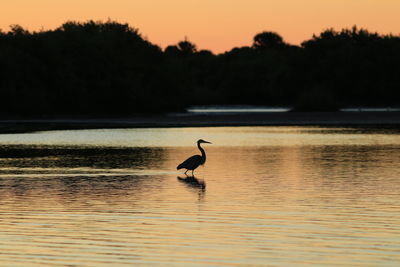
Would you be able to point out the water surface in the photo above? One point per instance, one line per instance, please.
(277, 196)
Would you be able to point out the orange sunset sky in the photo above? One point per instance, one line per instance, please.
(217, 25)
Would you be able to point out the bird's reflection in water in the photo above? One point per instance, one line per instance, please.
(193, 182)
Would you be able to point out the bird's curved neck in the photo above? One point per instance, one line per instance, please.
(203, 153)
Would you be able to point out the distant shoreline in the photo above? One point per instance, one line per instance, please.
(391, 119)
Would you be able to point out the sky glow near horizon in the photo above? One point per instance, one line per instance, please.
(217, 25)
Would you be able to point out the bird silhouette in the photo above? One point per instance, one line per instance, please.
(194, 161)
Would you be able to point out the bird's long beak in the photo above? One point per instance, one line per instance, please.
(207, 142)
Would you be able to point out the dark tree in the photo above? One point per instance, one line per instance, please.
(182, 49)
(187, 47)
(106, 68)
(268, 40)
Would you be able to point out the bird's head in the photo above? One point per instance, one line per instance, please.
(201, 141)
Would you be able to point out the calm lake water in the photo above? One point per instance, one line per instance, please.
(276, 196)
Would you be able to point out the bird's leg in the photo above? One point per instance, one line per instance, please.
(186, 172)
(192, 172)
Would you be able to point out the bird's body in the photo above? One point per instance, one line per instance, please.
(194, 161)
(191, 163)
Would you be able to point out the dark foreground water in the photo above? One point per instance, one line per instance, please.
(287, 196)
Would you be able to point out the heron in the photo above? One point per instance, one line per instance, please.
(194, 161)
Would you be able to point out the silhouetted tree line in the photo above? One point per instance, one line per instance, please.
(105, 68)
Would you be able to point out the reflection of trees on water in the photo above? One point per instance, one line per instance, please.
(108, 158)
(78, 173)
(76, 188)
(281, 171)
(353, 164)
(330, 170)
